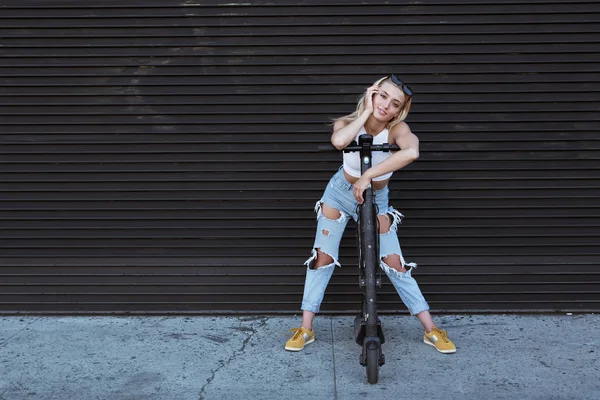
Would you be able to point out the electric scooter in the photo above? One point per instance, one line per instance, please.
(368, 331)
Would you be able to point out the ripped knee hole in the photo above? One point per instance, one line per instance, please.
(385, 223)
(321, 260)
(395, 263)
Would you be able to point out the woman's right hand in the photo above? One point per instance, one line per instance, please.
(372, 91)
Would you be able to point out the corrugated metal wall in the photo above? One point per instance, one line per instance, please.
(162, 156)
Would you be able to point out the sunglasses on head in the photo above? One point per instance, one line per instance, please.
(407, 91)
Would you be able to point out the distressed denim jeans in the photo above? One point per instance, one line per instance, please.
(339, 195)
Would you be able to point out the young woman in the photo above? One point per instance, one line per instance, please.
(380, 112)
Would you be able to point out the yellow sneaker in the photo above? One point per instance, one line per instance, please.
(301, 338)
(438, 338)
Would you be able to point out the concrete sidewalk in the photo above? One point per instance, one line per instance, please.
(179, 358)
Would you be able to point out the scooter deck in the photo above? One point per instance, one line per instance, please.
(360, 330)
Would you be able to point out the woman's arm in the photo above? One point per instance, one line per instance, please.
(344, 134)
(409, 152)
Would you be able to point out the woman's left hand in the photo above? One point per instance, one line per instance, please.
(359, 188)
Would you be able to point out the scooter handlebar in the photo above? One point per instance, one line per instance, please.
(353, 146)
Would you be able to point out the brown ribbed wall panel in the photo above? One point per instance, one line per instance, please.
(165, 156)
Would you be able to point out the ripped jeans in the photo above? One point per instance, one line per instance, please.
(339, 195)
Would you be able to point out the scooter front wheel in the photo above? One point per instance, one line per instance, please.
(372, 365)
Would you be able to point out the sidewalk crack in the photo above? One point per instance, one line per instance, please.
(250, 332)
(17, 333)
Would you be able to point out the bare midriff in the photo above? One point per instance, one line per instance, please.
(377, 185)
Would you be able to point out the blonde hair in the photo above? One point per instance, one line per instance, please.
(360, 107)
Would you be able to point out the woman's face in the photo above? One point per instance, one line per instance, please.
(388, 102)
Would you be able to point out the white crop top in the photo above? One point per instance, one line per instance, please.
(352, 159)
